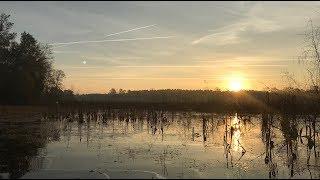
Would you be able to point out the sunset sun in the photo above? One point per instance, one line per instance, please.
(235, 84)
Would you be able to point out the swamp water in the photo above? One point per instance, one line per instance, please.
(155, 144)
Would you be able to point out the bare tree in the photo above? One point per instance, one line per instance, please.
(310, 56)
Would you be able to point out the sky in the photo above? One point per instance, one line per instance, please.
(168, 45)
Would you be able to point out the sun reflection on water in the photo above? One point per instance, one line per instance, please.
(161, 146)
(235, 133)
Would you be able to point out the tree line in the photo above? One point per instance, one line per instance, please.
(286, 100)
(27, 75)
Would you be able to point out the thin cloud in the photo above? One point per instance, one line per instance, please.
(258, 65)
(164, 78)
(177, 66)
(207, 66)
(66, 52)
(137, 78)
(221, 38)
(225, 35)
(231, 34)
(81, 67)
(157, 66)
(103, 58)
(242, 61)
(112, 60)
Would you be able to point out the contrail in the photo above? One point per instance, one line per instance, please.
(202, 38)
(111, 40)
(134, 29)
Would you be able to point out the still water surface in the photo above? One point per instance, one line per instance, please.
(161, 145)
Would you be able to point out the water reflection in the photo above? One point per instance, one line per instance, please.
(168, 144)
(267, 136)
(22, 143)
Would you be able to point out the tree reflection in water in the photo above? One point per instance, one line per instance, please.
(267, 138)
(21, 145)
(283, 135)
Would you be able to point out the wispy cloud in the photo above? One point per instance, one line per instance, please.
(243, 61)
(112, 60)
(205, 66)
(258, 20)
(164, 66)
(165, 78)
(225, 35)
(82, 67)
(258, 65)
(178, 66)
(103, 58)
(253, 21)
(66, 52)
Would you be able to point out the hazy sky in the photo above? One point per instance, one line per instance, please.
(159, 45)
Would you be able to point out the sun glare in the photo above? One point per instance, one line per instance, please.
(235, 85)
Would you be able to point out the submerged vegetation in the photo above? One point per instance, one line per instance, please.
(281, 145)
